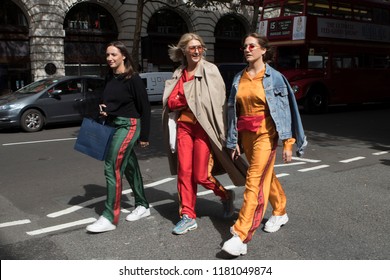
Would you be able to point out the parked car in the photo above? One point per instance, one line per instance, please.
(228, 71)
(51, 100)
(154, 83)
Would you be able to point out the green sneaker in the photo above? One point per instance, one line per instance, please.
(184, 225)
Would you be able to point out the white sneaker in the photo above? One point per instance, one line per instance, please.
(275, 222)
(101, 225)
(138, 213)
(234, 246)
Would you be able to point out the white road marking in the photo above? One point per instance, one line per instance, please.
(282, 175)
(287, 164)
(15, 223)
(313, 168)
(62, 226)
(39, 141)
(351, 159)
(380, 153)
(306, 159)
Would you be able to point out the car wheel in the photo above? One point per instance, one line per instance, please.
(32, 120)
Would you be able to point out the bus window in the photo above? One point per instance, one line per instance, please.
(342, 10)
(316, 62)
(381, 16)
(379, 61)
(288, 58)
(271, 10)
(362, 13)
(318, 7)
(293, 8)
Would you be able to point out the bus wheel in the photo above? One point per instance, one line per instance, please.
(32, 120)
(316, 101)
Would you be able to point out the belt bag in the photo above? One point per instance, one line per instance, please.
(94, 139)
(249, 123)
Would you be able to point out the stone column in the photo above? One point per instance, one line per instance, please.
(47, 42)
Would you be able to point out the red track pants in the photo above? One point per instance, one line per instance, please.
(195, 163)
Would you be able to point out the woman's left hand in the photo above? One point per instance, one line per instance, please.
(287, 156)
(143, 144)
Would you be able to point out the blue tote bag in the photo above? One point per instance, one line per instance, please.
(94, 139)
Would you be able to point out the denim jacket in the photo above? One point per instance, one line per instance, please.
(283, 109)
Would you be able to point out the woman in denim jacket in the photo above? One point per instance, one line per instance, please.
(261, 110)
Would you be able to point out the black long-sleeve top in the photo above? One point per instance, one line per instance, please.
(128, 98)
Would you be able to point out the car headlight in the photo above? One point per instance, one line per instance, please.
(9, 107)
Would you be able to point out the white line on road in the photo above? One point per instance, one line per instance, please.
(306, 159)
(39, 141)
(15, 223)
(380, 153)
(313, 168)
(209, 191)
(351, 159)
(63, 226)
(282, 175)
(287, 164)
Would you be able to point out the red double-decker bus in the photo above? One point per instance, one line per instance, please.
(331, 51)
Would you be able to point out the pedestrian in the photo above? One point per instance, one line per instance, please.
(261, 110)
(195, 100)
(125, 107)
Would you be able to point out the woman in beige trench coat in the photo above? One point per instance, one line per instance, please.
(194, 127)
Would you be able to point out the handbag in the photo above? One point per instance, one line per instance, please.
(94, 138)
(172, 128)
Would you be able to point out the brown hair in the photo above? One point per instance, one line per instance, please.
(176, 52)
(129, 64)
(268, 57)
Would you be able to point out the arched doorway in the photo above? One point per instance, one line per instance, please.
(165, 28)
(15, 69)
(229, 32)
(89, 28)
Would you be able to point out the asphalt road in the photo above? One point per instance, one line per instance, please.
(338, 198)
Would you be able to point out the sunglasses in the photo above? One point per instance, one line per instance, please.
(250, 47)
(192, 49)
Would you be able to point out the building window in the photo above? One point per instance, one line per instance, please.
(229, 32)
(89, 28)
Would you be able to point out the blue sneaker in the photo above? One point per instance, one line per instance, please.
(184, 225)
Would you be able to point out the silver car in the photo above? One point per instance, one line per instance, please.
(51, 100)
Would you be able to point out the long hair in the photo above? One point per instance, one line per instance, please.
(129, 64)
(268, 56)
(176, 52)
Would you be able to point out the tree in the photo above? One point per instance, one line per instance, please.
(231, 4)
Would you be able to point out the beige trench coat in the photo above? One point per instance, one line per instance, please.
(206, 98)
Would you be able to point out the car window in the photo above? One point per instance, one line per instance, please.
(36, 86)
(94, 85)
(69, 87)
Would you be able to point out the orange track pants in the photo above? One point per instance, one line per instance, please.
(261, 183)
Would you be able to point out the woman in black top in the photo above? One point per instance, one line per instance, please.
(127, 108)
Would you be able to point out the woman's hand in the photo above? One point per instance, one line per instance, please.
(143, 144)
(102, 107)
(234, 154)
(287, 156)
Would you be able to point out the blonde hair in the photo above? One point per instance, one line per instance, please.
(176, 52)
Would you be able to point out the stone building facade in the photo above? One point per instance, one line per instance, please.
(40, 38)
